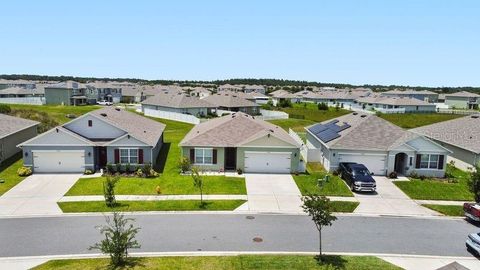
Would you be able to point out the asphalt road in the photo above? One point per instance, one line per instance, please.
(205, 232)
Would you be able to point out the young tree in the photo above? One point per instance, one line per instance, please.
(119, 238)
(474, 183)
(198, 182)
(318, 208)
(109, 190)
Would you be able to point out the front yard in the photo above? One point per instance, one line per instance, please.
(437, 189)
(8, 173)
(447, 210)
(308, 182)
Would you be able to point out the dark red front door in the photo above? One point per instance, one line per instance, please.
(102, 156)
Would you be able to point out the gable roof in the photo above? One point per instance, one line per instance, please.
(409, 92)
(462, 132)
(396, 101)
(233, 130)
(229, 100)
(462, 94)
(179, 100)
(11, 124)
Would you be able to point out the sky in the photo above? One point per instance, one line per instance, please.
(401, 42)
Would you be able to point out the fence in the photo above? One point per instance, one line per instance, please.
(272, 115)
(299, 140)
(23, 100)
(389, 111)
(180, 117)
(451, 111)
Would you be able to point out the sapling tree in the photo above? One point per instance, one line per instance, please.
(198, 182)
(109, 190)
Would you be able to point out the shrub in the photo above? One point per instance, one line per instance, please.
(393, 175)
(118, 168)
(239, 171)
(322, 106)
(110, 168)
(88, 172)
(153, 173)
(184, 164)
(24, 171)
(139, 173)
(146, 169)
(414, 175)
(335, 172)
(285, 103)
(5, 109)
(127, 167)
(109, 190)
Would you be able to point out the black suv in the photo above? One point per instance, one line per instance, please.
(357, 176)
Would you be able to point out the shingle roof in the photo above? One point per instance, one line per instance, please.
(10, 124)
(67, 85)
(233, 131)
(22, 91)
(142, 128)
(229, 100)
(179, 100)
(462, 94)
(463, 132)
(396, 101)
(410, 92)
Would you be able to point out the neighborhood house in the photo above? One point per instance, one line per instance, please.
(14, 130)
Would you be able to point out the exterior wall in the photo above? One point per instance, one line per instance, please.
(28, 155)
(156, 151)
(8, 145)
(149, 153)
(457, 102)
(462, 154)
(57, 96)
(424, 108)
(98, 130)
(322, 154)
(192, 111)
(211, 167)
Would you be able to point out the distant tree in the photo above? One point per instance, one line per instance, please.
(318, 208)
(198, 183)
(284, 103)
(109, 190)
(474, 182)
(119, 235)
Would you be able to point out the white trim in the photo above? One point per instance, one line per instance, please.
(256, 146)
(62, 129)
(123, 136)
(59, 151)
(267, 152)
(361, 154)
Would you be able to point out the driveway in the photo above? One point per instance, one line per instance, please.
(37, 195)
(272, 193)
(389, 200)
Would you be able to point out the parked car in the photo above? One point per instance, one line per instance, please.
(104, 103)
(357, 176)
(472, 211)
(473, 243)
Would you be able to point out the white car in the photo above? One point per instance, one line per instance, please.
(105, 103)
(473, 243)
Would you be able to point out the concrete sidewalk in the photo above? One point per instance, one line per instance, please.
(442, 202)
(430, 263)
(152, 197)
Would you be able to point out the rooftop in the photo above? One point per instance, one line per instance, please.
(10, 124)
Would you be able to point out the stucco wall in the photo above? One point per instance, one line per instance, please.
(213, 167)
(98, 130)
(8, 145)
(457, 102)
(57, 96)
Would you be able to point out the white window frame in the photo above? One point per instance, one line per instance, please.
(430, 160)
(202, 156)
(129, 155)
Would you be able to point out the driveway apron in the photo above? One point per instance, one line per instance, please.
(37, 195)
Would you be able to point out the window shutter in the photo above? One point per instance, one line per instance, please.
(440, 162)
(417, 162)
(192, 155)
(214, 156)
(117, 156)
(140, 156)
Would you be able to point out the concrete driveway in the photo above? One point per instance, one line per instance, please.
(389, 200)
(37, 195)
(272, 193)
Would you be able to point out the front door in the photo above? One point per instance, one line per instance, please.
(230, 158)
(102, 156)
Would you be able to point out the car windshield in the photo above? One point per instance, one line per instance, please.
(361, 171)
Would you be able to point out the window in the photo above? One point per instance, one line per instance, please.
(90, 123)
(430, 162)
(203, 156)
(424, 161)
(433, 162)
(128, 155)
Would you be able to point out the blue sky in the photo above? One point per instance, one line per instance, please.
(429, 43)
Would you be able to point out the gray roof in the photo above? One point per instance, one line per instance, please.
(67, 85)
(10, 124)
(409, 92)
(179, 100)
(232, 131)
(142, 128)
(229, 100)
(22, 91)
(462, 132)
(462, 94)
(368, 132)
(396, 101)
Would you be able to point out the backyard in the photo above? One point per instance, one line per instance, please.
(413, 120)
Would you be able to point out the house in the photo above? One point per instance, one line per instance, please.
(233, 103)
(460, 135)
(378, 144)
(255, 97)
(240, 141)
(176, 103)
(395, 104)
(105, 136)
(424, 95)
(241, 88)
(200, 92)
(67, 93)
(462, 100)
(14, 130)
(20, 95)
(280, 95)
(17, 83)
(99, 91)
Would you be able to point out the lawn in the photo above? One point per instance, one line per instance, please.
(8, 173)
(241, 262)
(169, 184)
(438, 190)
(308, 182)
(447, 210)
(413, 120)
(131, 206)
(312, 113)
(296, 125)
(343, 207)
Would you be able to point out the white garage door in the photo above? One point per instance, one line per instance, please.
(267, 162)
(59, 161)
(374, 163)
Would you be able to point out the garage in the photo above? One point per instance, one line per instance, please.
(374, 162)
(58, 161)
(268, 162)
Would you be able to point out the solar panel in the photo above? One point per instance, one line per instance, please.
(317, 128)
(327, 135)
(328, 131)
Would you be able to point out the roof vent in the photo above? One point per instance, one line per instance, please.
(363, 115)
(475, 116)
(355, 113)
(103, 114)
(117, 109)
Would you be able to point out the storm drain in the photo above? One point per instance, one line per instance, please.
(250, 217)
(257, 239)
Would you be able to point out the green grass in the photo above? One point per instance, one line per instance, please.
(438, 190)
(8, 173)
(307, 183)
(413, 120)
(344, 207)
(132, 206)
(243, 262)
(296, 125)
(448, 210)
(57, 112)
(310, 112)
(169, 184)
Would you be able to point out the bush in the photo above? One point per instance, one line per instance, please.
(109, 190)
(239, 171)
(284, 103)
(24, 171)
(414, 175)
(139, 173)
(184, 164)
(322, 106)
(128, 168)
(335, 173)
(110, 168)
(393, 175)
(88, 172)
(118, 168)
(5, 109)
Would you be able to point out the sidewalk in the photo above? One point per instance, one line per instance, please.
(442, 202)
(430, 263)
(152, 197)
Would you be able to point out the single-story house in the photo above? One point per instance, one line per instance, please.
(14, 130)
(461, 136)
(200, 92)
(378, 144)
(233, 103)
(240, 141)
(462, 100)
(105, 136)
(395, 104)
(176, 103)
(422, 95)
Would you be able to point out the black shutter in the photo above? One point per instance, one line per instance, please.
(440, 162)
(214, 156)
(417, 162)
(192, 155)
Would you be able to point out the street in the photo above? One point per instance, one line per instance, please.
(229, 232)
